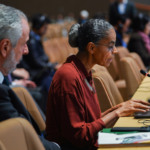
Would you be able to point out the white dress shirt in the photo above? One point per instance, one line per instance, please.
(122, 7)
(1, 77)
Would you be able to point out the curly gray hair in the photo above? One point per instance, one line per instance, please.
(91, 31)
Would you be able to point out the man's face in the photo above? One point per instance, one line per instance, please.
(16, 53)
(10, 63)
(21, 47)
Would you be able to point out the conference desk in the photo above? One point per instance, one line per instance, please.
(143, 93)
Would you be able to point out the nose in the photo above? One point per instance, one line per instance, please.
(115, 50)
(25, 50)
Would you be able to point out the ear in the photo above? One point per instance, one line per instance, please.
(91, 47)
(5, 47)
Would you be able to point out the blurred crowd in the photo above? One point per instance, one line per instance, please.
(36, 70)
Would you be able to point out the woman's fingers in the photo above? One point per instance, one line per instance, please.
(141, 101)
(138, 104)
(142, 106)
(129, 107)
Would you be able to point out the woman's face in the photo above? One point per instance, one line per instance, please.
(105, 49)
(147, 28)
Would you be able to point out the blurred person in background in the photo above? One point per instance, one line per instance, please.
(84, 15)
(121, 25)
(60, 19)
(37, 62)
(121, 7)
(70, 17)
(140, 41)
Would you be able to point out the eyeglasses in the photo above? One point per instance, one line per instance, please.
(145, 122)
(110, 47)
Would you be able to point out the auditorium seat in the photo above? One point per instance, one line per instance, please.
(138, 60)
(30, 105)
(131, 73)
(122, 52)
(18, 134)
(113, 69)
(58, 49)
(52, 50)
(2, 147)
(107, 91)
(115, 73)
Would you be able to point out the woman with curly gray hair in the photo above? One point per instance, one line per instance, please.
(73, 113)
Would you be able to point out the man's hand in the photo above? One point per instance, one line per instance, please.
(25, 83)
(21, 72)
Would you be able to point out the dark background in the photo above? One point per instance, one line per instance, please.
(54, 7)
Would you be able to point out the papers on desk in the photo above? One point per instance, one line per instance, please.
(110, 139)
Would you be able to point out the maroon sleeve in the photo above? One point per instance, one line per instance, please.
(73, 126)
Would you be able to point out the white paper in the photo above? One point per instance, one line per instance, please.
(111, 138)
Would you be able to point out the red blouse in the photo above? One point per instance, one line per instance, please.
(73, 111)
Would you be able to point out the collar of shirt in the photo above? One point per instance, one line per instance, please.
(122, 7)
(1, 77)
(36, 36)
(80, 67)
(125, 1)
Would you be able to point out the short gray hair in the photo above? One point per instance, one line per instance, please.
(10, 23)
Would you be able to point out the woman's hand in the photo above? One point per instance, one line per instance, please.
(124, 109)
(131, 106)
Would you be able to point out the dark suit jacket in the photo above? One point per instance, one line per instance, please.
(11, 107)
(130, 11)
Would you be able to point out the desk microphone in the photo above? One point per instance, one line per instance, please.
(144, 73)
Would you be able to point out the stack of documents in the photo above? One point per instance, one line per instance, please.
(107, 139)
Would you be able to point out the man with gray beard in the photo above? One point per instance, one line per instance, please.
(10, 62)
(14, 33)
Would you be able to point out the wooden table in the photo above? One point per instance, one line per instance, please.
(143, 93)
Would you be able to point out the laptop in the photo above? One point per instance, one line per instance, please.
(138, 115)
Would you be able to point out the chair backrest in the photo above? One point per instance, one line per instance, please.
(30, 105)
(122, 52)
(58, 49)
(107, 91)
(113, 69)
(18, 134)
(138, 60)
(2, 147)
(132, 75)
